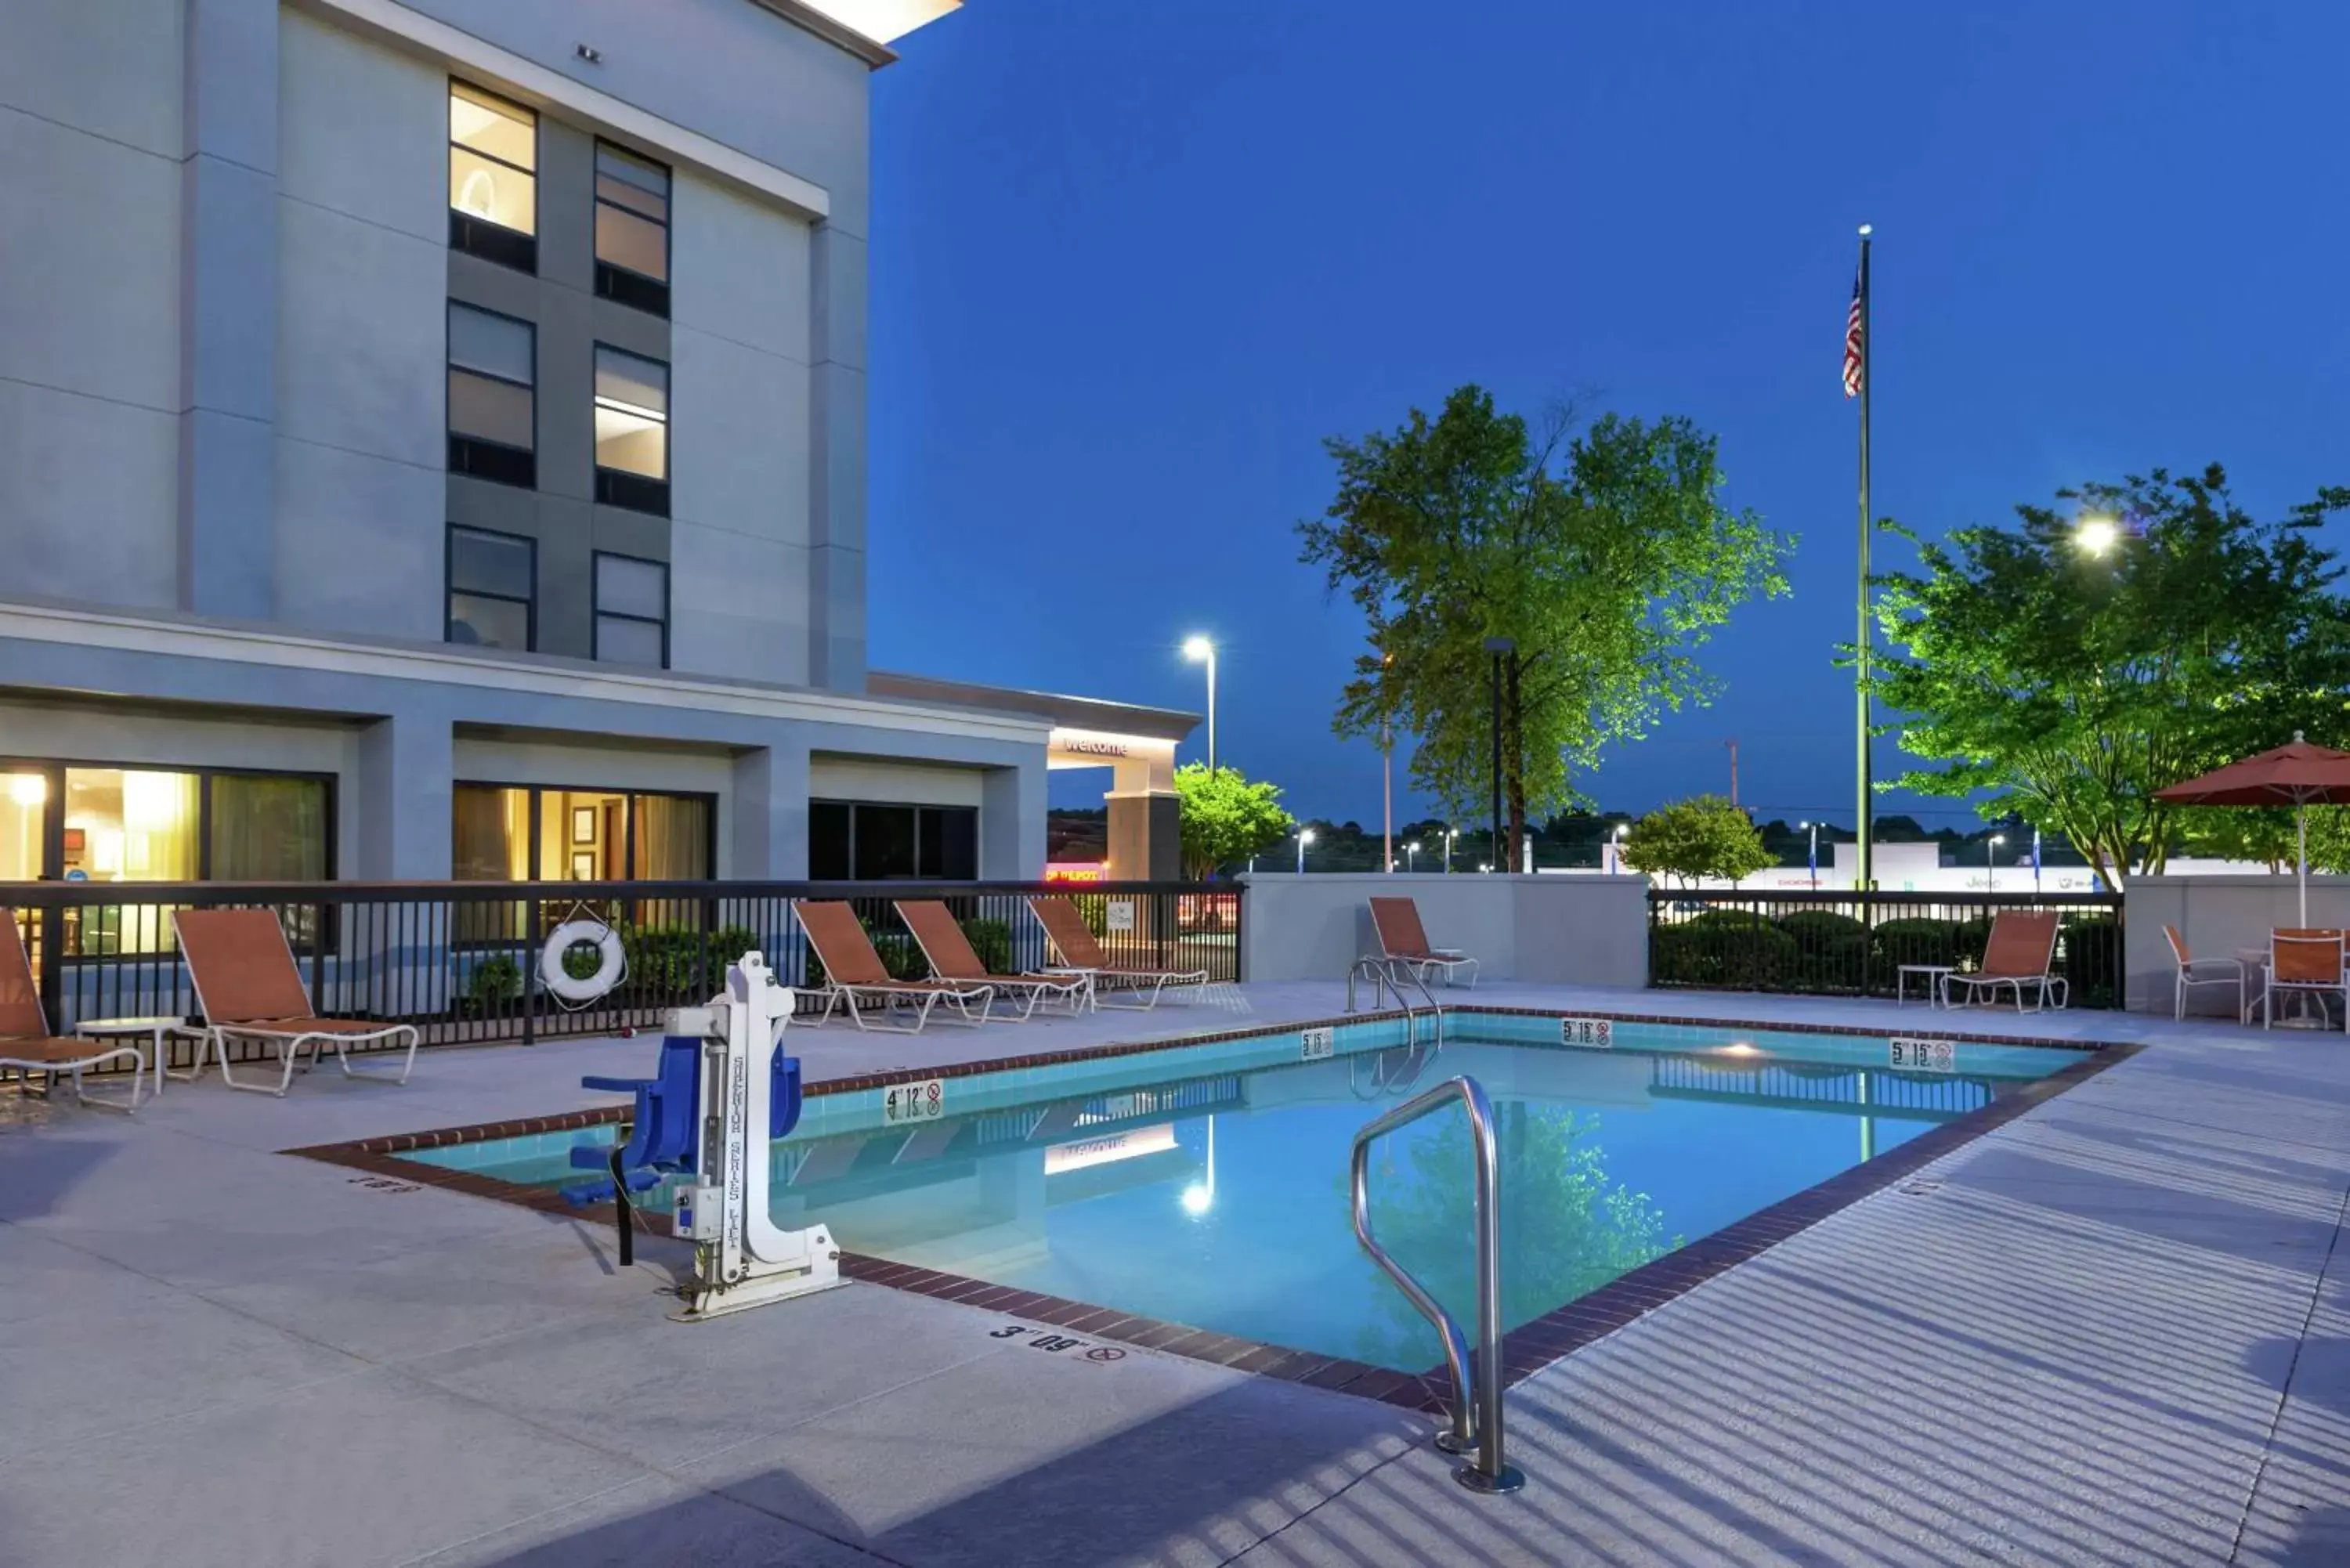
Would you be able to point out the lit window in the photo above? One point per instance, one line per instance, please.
(632, 431)
(23, 824)
(493, 178)
(631, 230)
(631, 611)
(493, 406)
(492, 588)
(126, 825)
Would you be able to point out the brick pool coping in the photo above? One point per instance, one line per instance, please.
(1525, 1349)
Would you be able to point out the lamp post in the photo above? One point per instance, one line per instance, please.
(1814, 828)
(1412, 855)
(1500, 647)
(1991, 849)
(1450, 835)
(1613, 861)
(1199, 650)
(1305, 837)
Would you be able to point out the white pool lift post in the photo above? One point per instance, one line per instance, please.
(742, 1258)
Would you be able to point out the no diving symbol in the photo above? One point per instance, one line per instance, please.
(1104, 1353)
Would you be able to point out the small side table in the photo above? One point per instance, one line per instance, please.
(159, 1032)
(1937, 978)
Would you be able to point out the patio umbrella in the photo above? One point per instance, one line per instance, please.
(2299, 775)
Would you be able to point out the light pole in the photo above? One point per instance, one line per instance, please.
(1500, 647)
(1990, 848)
(1412, 855)
(1450, 835)
(1815, 852)
(1199, 650)
(1305, 837)
(2035, 861)
(1615, 857)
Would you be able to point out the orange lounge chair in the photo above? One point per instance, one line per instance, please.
(249, 989)
(2303, 961)
(951, 957)
(26, 1042)
(2021, 947)
(1081, 954)
(1403, 942)
(854, 973)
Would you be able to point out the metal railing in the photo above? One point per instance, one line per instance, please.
(461, 961)
(1476, 1422)
(1386, 977)
(1856, 944)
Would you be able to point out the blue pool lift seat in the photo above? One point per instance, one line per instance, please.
(663, 1125)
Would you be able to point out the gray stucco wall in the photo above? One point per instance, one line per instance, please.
(1560, 929)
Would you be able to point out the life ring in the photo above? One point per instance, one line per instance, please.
(611, 966)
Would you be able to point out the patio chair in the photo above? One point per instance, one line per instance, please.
(2017, 958)
(2304, 962)
(854, 974)
(952, 958)
(1067, 931)
(2221, 971)
(1404, 943)
(249, 989)
(26, 1042)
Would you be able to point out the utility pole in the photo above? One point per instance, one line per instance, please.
(1732, 745)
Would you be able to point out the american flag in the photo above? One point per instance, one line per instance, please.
(1852, 343)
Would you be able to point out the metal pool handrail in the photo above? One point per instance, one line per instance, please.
(1476, 1425)
(1383, 973)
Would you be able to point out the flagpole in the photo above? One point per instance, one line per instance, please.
(1868, 385)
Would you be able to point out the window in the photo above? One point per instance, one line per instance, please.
(631, 230)
(502, 832)
(632, 431)
(491, 841)
(104, 824)
(631, 611)
(266, 828)
(873, 841)
(493, 178)
(492, 589)
(493, 406)
(24, 823)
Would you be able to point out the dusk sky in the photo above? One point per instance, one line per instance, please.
(1132, 262)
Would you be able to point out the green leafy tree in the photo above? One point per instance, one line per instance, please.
(1567, 1228)
(2071, 681)
(1606, 556)
(1704, 835)
(1226, 817)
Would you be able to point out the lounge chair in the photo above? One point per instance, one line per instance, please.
(1081, 954)
(2225, 971)
(854, 974)
(26, 1042)
(249, 989)
(2017, 958)
(951, 957)
(2304, 962)
(1404, 943)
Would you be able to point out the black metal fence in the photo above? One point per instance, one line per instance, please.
(467, 961)
(1857, 944)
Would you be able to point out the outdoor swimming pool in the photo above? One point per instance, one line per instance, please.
(1207, 1185)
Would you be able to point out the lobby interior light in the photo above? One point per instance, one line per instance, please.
(28, 789)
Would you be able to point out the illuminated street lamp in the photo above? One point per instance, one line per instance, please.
(1450, 835)
(1412, 855)
(2097, 535)
(1814, 828)
(1199, 650)
(1305, 837)
(1990, 847)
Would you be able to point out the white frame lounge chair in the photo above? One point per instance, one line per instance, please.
(854, 974)
(26, 1042)
(250, 989)
(951, 957)
(1070, 937)
(2023, 946)
(1403, 942)
(2186, 979)
(2303, 961)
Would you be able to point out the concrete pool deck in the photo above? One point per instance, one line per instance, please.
(2111, 1331)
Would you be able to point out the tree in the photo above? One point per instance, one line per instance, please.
(1605, 556)
(2073, 682)
(1704, 835)
(1225, 817)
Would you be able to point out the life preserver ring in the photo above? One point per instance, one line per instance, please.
(611, 967)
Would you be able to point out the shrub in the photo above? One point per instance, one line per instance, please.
(1831, 950)
(1728, 950)
(992, 940)
(495, 979)
(2089, 957)
(1914, 941)
(671, 961)
(1973, 940)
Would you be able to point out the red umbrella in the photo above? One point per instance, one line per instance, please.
(2299, 775)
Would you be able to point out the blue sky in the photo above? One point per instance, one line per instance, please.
(1132, 262)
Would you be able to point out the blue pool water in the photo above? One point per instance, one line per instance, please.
(1207, 1185)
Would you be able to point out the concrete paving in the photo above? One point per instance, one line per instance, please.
(2113, 1332)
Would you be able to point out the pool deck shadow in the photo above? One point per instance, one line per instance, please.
(2115, 1330)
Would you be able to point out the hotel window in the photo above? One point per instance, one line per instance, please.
(162, 825)
(581, 835)
(632, 431)
(872, 841)
(631, 230)
(492, 589)
(493, 403)
(631, 611)
(493, 178)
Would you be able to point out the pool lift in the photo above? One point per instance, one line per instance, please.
(721, 1077)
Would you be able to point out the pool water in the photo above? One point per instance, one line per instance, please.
(1208, 1185)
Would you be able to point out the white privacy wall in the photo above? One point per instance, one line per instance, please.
(1568, 930)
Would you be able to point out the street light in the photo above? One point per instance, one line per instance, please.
(1305, 837)
(2097, 535)
(1990, 847)
(1199, 650)
(1412, 855)
(1614, 858)
(1450, 835)
(1815, 852)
